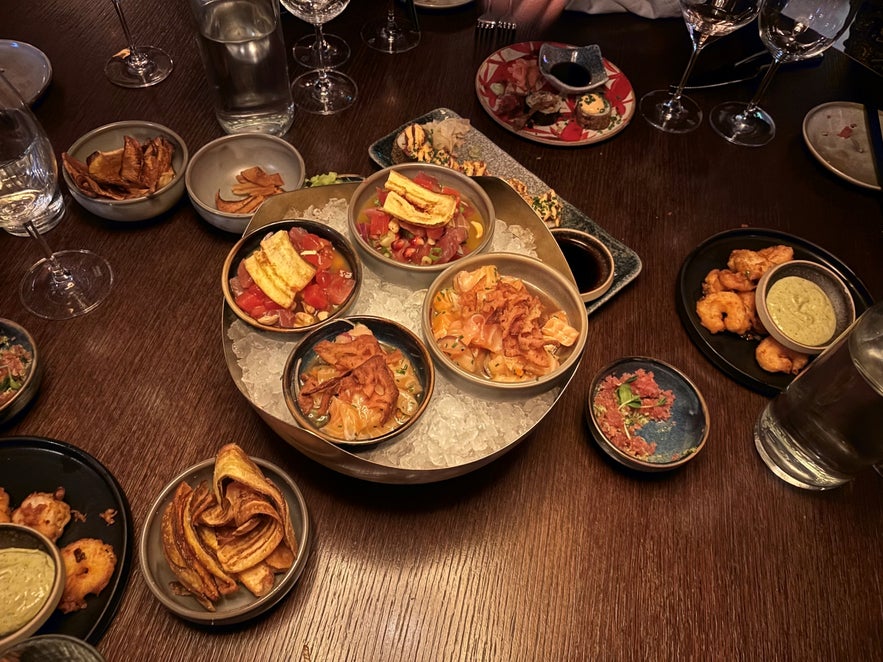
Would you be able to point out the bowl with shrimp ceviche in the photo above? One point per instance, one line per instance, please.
(358, 380)
(504, 326)
(291, 276)
(646, 414)
(411, 221)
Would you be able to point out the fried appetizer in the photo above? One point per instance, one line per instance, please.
(88, 564)
(45, 512)
(5, 510)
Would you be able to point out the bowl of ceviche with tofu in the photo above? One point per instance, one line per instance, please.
(358, 380)
(646, 414)
(291, 276)
(411, 221)
(21, 369)
(504, 326)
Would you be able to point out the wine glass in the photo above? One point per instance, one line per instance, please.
(63, 284)
(321, 49)
(392, 34)
(791, 30)
(670, 110)
(323, 90)
(136, 66)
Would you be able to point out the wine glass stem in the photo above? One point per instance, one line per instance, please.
(134, 59)
(761, 89)
(321, 45)
(698, 45)
(62, 280)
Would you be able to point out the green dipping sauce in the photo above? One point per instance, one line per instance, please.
(26, 577)
(802, 311)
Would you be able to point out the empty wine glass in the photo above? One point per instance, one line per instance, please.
(136, 66)
(392, 33)
(63, 284)
(323, 90)
(791, 30)
(670, 110)
(321, 49)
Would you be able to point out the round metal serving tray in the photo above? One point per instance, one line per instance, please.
(509, 206)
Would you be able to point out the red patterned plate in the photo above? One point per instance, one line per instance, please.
(516, 65)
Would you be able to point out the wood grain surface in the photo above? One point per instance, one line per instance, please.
(552, 552)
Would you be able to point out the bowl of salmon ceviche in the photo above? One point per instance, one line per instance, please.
(504, 326)
(646, 414)
(358, 381)
(291, 276)
(411, 221)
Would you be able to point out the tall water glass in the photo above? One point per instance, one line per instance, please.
(827, 426)
(243, 53)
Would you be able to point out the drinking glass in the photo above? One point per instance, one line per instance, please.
(392, 33)
(136, 66)
(323, 90)
(63, 284)
(670, 110)
(321, 49)
(791, 30)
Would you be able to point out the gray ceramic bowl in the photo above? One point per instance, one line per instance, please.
(23, 537)
(251, 242)
(572, 69)
(53, 647)
(413, 274)
(241, 605)
(12, 335)
(590, 261)
(389, 334)
(830, 284)
(542, 280)
(678, 439)
(215, 165)
(110, 137)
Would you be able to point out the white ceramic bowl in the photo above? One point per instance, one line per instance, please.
(23, 537)
(110, 137)
(417, 275)
(542, 280)
(830, 284)
(215, 165)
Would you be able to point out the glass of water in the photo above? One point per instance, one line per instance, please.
(63, 284)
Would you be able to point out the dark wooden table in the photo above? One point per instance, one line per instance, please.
(551, 552)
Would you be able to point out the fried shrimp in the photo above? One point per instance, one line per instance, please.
(712, 282)
(5, 511)
(735, 281)
(772, 356)
(750, 304)
(89, 564)
(723, 311)
(750, 264)
(45, 512)
(778, 254)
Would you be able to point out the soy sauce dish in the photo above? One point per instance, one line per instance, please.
(572, 69)
(590, 261)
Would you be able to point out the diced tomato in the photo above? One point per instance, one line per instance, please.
(255, 303)
(381, 195)
(335, 286)
(313, 295)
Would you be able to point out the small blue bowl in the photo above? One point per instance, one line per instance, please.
(678, 439)
(572, 69)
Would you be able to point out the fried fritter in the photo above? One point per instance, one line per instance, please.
(89, 564)
(45, 512)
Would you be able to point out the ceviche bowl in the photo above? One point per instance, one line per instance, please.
(328, 406)
(646, 414)
(467, 347)
(20, 383)
(804, 305)
(218, 166)
(28, 552)
(415, 253)
(321, 280)
(110, 138)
